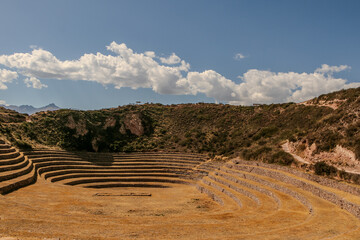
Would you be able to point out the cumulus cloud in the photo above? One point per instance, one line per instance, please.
(6, 76)
(126, 68)
(260, 86)
(150, 54)
(2, 102)
(331, 69)
(239, 56)
(172, 59)
(34, 83)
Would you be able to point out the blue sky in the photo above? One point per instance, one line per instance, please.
(286, 51)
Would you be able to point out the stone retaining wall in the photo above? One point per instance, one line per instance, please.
(280, 188)
(221, 189)
(212, 195)
(331, 197)
(254, 187)
(239, 190)
(319, 179)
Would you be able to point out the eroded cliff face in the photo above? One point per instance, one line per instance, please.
(133, 122)
(339, 157)
(101, 132)
(79, 127)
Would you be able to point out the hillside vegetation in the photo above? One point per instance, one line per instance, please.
(252, 132)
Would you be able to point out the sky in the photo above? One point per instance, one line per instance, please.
(89, 54)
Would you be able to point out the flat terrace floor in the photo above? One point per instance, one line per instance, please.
(51, 210)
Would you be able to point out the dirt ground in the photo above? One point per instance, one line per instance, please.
(54, 211)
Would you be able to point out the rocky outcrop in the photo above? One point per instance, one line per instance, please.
(133, 123)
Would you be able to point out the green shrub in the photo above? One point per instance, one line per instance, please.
(352, 130)
(282, 158)
(256, 154)
(321, 168)
(327, 141)
(23, 145)
(357, 150)
(301, 147)
(265, 132)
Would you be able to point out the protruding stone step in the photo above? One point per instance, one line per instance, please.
(223, 189)
(109, 175)
(215, 177)
(315, 189)
(250, 185)
(10, 161)
(8, 155)
(81, 165)
(49, 172)
(126, 185)
(7, 150)
(13, 184)
(124, 180)
(203, 188)
(4, 176)
(15, 166)
(275, 186)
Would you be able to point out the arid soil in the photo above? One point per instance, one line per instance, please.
(55, 211)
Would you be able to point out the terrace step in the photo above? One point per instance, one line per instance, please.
(330, 194)
(6, 148)
(81, 168)
(155, 160)
(252, 199)
(8, 155)
(14, 166)
(11, 161)
(109, 175)
(160, 158)
(52, 171)
(4, 176)
(72, 165)
(127, 185)
(51, 168)
(266, 212)
(307, 177)
(162, 154)
(20, 181)
(115, 164)
(251, 186)
(223, 189)
(123, 180)
(275, 185)
(211, 192)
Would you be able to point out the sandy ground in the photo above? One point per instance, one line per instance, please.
(54, 211)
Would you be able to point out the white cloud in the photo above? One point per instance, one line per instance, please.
(127, 68)
(34, 83)
(6, 76)
(150, 54)
(331, 69)
(239, 56)
(33, 46)
(173, 59)
(268, 87)
(2, 102)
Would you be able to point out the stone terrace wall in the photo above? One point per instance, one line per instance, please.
(341, 202)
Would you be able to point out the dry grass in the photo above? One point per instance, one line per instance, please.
(53, 210)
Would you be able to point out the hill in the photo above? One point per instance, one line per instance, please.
(314, 131)
(28, 109)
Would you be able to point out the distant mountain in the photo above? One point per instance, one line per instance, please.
(30, 109)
